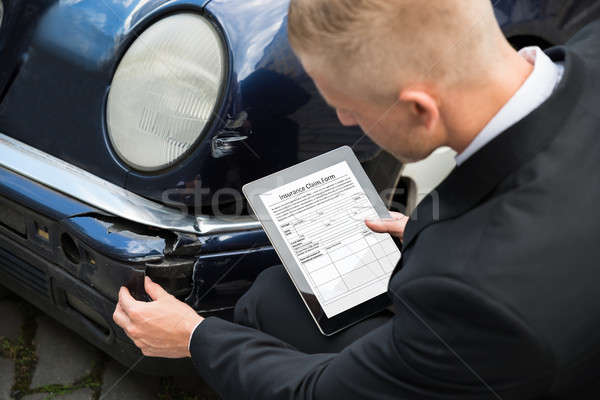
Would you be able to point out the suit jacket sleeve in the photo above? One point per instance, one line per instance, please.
(446, 342)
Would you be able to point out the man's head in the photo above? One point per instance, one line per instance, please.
(397, 67)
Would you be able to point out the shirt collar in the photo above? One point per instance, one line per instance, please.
(535, 90)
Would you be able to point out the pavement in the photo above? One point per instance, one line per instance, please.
(33, 365)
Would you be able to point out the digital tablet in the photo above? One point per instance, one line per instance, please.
(313, 214)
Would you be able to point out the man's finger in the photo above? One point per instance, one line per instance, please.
(154, 290)
(385, 225)
(126, 301)
(120, 317)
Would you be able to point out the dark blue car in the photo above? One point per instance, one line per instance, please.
(127, 128)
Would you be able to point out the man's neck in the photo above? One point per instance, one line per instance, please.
(476, 105)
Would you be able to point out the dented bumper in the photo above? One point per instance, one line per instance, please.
(70, 257)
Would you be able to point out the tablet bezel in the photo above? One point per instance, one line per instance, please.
(253, 190)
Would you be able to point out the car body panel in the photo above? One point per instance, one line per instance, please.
(553, 21)
(269, 106)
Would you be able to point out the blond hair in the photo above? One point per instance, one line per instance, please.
(401, 39)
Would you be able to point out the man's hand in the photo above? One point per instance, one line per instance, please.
(161, 328)
(394, 226)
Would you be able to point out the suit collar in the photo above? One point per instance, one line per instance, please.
(470, 183)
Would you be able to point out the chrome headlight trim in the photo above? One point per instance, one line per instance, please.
(165, 91)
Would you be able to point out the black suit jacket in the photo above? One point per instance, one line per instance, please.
(498, 292)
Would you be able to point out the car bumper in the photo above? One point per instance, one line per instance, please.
(69, 257)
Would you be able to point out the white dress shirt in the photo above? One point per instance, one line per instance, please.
(535, 90)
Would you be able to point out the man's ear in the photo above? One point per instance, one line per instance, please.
(422, 106)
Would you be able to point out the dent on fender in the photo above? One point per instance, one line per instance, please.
(107, 251)
(188, 266)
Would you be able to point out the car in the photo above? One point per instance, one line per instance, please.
(128, 127)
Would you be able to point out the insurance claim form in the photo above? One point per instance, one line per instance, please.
(321, 216)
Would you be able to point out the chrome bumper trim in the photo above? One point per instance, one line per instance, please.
(103, 195)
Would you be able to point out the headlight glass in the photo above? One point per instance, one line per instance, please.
(164, 91)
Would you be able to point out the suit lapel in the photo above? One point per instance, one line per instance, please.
(462, 190)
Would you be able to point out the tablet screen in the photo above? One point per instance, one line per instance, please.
(321, 219)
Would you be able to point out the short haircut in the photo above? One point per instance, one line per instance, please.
(408, 38)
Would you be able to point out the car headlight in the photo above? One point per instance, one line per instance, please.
(164, 91)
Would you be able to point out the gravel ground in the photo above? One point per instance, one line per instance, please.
(33, 366)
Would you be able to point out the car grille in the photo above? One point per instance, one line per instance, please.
(25, 273)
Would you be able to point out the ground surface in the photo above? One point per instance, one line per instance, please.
(41, 359)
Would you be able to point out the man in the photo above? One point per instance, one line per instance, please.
(496, 293)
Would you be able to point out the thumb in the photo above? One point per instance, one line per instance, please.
(384, 225)
(154, 290)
